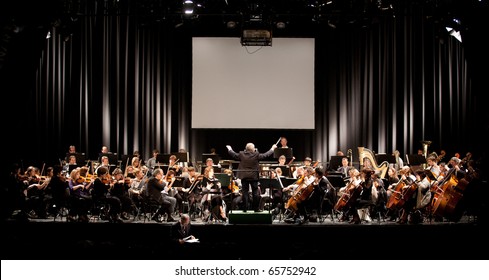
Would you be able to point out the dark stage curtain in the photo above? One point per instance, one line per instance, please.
(125, 82)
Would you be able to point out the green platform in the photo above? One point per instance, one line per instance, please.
(250, 217)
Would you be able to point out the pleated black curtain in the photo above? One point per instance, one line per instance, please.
(119, 81)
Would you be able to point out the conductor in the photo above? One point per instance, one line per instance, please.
(248, 172)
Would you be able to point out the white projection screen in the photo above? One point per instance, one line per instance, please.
(237, 87)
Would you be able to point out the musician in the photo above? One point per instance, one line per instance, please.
(354, 181)
(367, 196)
(210, 162)
(57, 191)
(137, 186)
(173, 165)
(35, 190)
(300, 175)
(432, 166)
(249, 172)
(104, 162)
(231, 194)
(283, 142)
(151, 163)
(193, 188)
(101, 195)
(158, 193)
(281, 160)
(455, 163)
(15, 197)
(136, 163)
(410, 203)
(392, 181)
(212, 199)
(80, 197)
(345, 167)
(120, 189)
(324, 195)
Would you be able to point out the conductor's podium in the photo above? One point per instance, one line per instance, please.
(250, 217)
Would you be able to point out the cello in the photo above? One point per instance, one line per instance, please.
(401, 194)
(447, 194)
(352, 192)
(302, 193)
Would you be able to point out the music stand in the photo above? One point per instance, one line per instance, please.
(336, 180)
(224, 178)
(163, 159)
(215, 158)
(385, 157)
(179, 182)
(335, 162)
(416, 159)
(287, 152)
(182, 157)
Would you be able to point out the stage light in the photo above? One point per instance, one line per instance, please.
(188, 7)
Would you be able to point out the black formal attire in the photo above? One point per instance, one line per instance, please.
(167, 203)
(249, 169)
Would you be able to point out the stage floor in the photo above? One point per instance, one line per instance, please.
(322, 240)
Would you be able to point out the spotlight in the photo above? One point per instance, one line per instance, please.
(188, 7)
(280, 25)
(231, 24)
(454, 33)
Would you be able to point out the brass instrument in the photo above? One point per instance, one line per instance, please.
(366, 153)
(350, 156)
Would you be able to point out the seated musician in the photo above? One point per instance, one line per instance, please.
(193, 189)
(231, 194)
(120, 188)
(80, 197)
(366, 198)
(101, 194)
(410, 203)
(345, 193)
(212, 199)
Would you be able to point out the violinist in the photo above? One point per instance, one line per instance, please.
(136, 187)
(36, 199)
(158, 193)
(120, 189)
(80, 197)
(57, 192)
(193, 188)
(14, 200)
(173, 165)
(101, 195)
